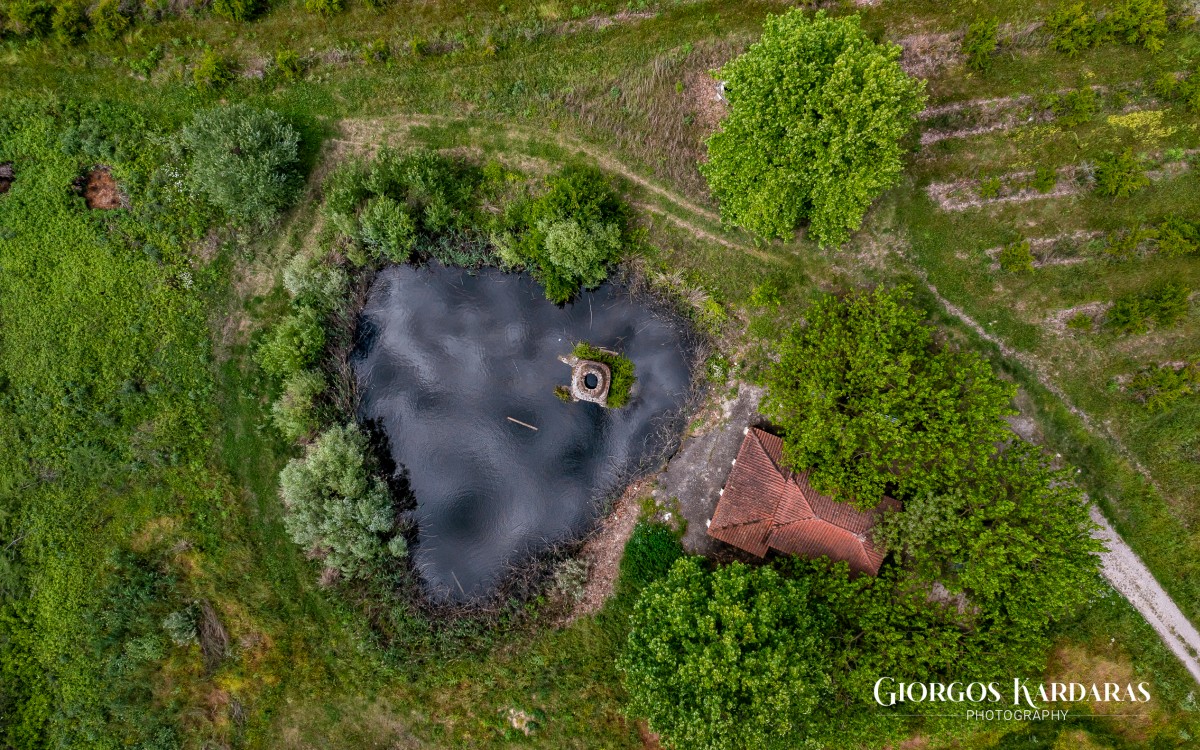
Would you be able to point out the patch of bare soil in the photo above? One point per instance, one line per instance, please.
(707, 100)
(1060, 250)
(650, 740)
(924, 54)
(603, 552)
(99, 190)
(1057, 322)
(6, 176)
(1014, 188)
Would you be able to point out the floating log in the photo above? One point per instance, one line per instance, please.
(523, 424)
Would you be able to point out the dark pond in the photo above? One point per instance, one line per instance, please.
(446, 356)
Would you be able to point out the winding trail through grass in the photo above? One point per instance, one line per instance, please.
(1120, 565)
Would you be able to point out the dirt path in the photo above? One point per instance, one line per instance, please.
(1129, 575)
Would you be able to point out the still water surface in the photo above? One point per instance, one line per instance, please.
(445, 356)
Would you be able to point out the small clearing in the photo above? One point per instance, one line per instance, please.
(100, 190)
(6, 176)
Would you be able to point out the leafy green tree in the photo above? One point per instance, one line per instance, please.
(294, 344)
(577, 255)
(244, 160)
(868, 400)
(816, 114)
(736, 658)
(1015, 539)
(337, 507)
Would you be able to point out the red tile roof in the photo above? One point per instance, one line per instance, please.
(766, 506)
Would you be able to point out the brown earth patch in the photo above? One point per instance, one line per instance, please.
(6, 176)
(650, 740)
(99, 190)
(603, 552)
(706, 97)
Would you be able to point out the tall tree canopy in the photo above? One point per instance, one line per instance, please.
(736, 658)
(816, 114)
(868, 400)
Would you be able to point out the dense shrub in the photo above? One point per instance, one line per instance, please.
(213, 71)
(869, 401)
(1142, 22)
(387, 229)
(244, 160)
(1072, 27)
(293, 345)
(324, 7)
(337, 508)
(1077, 107)
(1016, 257)
(288, 63)
(70, 20)
(1125, 245)
(108, 21)
(235, 10)
(806, 138)
(569, 236)
(293, 413)
(1178, 237)
(1164, 304)
(620, 367)
(314, 283)
(1160, 386)
(736, 658)
(989, 187)
(404, 202)
(1045, 179)
(648, 556)
(980, 42)
(1119, 175)
(31, 17)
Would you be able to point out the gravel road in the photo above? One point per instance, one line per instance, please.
(1130, 576)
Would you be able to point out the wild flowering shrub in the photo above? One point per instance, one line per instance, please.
(989, 188)
(387, 229)
(1119, 175)
(1178, 237)
(1164, 305)
(314, 283)
(288, 63)
(1016, 257)
(980, 42)
(1045, 179)
(235, 10)
(1077, 107)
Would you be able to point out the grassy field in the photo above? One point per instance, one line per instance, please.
(192, 512)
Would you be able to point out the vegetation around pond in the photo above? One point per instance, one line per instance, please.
(150, 593)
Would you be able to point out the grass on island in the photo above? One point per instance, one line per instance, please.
(621, 367)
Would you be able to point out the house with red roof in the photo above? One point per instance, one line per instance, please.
(766, 506)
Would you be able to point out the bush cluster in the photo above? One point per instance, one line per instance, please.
(1185, 90)
(980, 43)
(244, 160)
(1075, 25)
(569, 236)
(1016, 257)
(1160, 386)
(403, 203)
(213, 71)
(1165, 305)
(1119, 174)
(337, 507)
